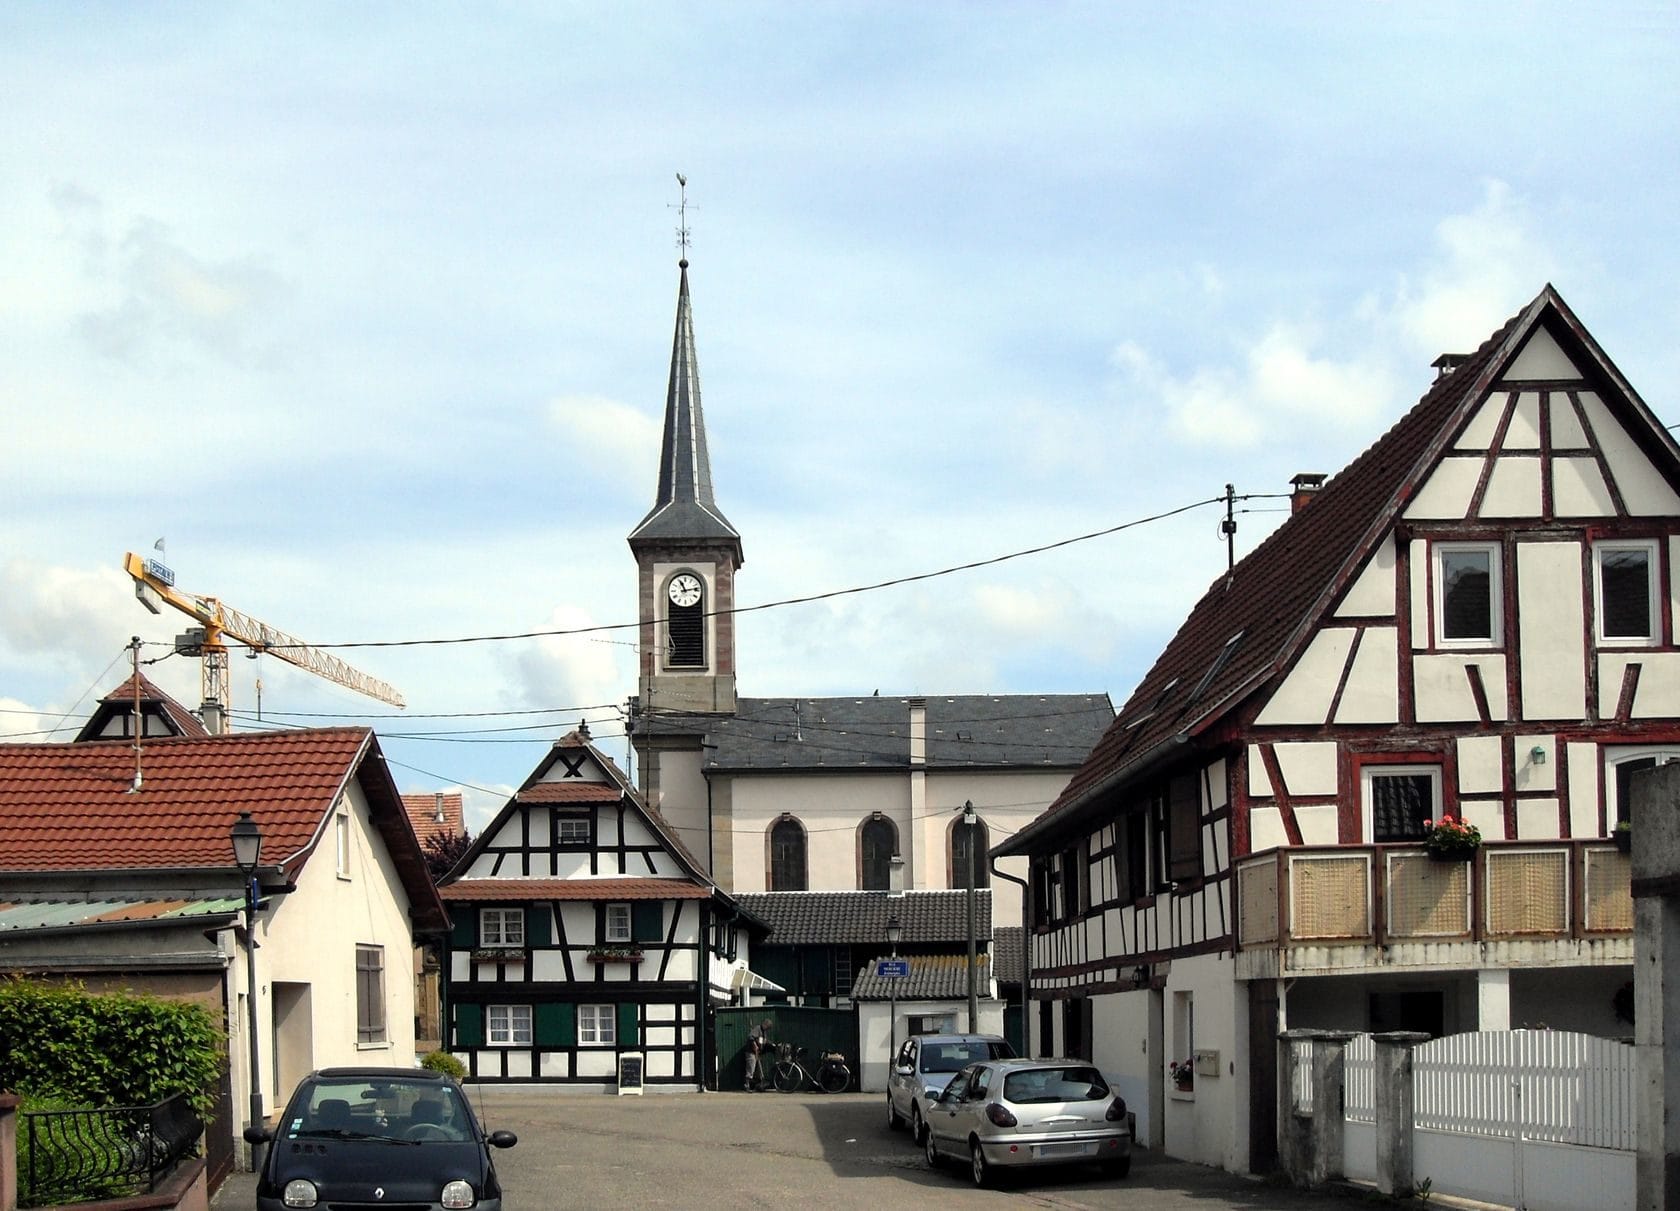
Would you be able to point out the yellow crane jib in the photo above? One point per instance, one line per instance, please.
(155, 583)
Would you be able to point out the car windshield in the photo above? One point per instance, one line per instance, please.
(960, 1053)
(381, 1108)
(1070, 1083)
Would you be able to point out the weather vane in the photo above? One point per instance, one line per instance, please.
(682, 216)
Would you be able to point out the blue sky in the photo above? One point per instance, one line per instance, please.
(368, 312)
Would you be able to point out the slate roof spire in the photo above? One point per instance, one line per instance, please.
(684, 508)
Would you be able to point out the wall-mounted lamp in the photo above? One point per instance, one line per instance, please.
(1537, 754)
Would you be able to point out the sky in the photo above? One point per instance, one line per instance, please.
(366, 311)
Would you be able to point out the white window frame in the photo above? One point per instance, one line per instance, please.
(579, 824)
(1367, 818)
(597, 1025)
(1653, 609)
(341, 843)
(618, 924)
(1496, 593)
(501, 927)
(1661, 753)
(507, 1025)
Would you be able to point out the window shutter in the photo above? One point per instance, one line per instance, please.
(628, 1019)
(647, 921)
(556, 1025)
(1184, 827)
(537, 932)
(469, 1025)
(463, 929)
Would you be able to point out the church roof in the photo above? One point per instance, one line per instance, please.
(963, 731)
(684, 508)
(845, 918)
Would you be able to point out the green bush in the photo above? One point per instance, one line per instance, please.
(106, 1049)
(62, 1170)
(442, 1061)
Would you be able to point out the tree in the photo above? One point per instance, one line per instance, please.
(443, 850)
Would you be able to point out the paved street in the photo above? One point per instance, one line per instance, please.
(737, 1150)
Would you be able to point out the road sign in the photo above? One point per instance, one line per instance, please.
(892, 969)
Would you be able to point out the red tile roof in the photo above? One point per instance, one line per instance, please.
(1274, 596)
(422, 809)
(570, 792)
(575, 889)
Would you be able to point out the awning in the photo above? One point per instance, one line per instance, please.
(751, 981)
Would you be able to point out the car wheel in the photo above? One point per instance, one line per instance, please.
(918, 1131)
(978, 1169)
(895, 1120)
(1117, 1169)
(931, 1151)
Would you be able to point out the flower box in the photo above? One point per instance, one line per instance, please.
(1450, 839)
(499, 954)
(615, 954)
(1183, 1074)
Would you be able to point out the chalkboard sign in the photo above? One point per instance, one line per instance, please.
(629, 1072)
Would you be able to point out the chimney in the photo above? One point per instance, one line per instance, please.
(583, 728)
(1447, 363)
(437, 806)
(1303, 488)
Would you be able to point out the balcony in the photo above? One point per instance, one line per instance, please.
(1304, 910)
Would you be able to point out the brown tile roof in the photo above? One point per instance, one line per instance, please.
(423, 813)
(844, 918)
(570, 792)
(574, 889)
(1273, 597)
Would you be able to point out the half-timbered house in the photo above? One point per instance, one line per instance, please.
(1476, 618)
(583, 930)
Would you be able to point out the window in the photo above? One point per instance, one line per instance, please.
(685, 622)
(341, 843)
(1184, 826)
(1622, 764)
(1467, 594)
(1132, 862)
(571, 830)
(877, 842)
(501, 927)
(618, 923)
(960, 837)
(508, 1025)
(1625, 592)
(787, 855)
(1398, 799)
(370, 994)
(596, 1026)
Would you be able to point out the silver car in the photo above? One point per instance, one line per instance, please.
(925, 1063)
(1009, 1113)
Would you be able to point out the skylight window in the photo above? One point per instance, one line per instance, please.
(1214, 669)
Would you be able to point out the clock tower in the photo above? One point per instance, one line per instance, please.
(687, 554)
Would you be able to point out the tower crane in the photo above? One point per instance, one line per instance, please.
(219, 622)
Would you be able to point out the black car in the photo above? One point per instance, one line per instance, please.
(378, 1137)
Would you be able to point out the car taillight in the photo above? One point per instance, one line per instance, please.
(1116, 1110)
(1000, 1116)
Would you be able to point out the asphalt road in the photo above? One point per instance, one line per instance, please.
(728, 1151)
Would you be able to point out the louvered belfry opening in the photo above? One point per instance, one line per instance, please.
(686, 630)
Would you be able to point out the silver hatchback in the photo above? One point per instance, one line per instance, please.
(1017, 1113)
(923, 1067)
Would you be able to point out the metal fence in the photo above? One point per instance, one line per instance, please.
(83, 1155)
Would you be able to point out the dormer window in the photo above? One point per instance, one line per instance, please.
(685, 621)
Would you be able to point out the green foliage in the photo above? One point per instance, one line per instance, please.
(106, 1049)
(65, 1168)
(442, 1061)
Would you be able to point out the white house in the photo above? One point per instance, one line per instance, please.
(1475, 618)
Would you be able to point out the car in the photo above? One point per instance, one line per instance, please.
(1006, 1114)
(924, 1064)
(372, 1137)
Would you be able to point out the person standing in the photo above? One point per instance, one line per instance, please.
(757, 1051)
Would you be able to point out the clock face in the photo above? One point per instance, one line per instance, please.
(685, 589)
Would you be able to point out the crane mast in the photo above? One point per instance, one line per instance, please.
(220, 622)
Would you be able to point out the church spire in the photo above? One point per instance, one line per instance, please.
(684, 508)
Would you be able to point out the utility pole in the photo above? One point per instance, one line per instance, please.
(969, 822)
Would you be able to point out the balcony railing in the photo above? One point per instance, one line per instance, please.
(1382, 894)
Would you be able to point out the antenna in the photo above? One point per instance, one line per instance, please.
(682, 217)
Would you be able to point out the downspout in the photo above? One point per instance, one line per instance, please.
(702, 1027)
(1026, 952)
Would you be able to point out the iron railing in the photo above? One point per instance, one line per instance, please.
(80, 1155)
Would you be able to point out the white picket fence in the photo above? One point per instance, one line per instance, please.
(1526, 1118)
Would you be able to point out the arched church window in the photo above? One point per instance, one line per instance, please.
(961, 839)
(877, 843)
(685, 622)
(787, 855)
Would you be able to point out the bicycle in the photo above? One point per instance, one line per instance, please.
(791, 1075)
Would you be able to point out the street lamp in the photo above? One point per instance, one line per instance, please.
(247, 849)
(894, 932)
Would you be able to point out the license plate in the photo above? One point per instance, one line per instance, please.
(1053, 1150)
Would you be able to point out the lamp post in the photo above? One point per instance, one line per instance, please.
(894, 931)
(247, 849)
(969, 822)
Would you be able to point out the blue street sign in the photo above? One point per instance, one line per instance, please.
(892, 969)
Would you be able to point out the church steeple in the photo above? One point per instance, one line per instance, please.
(686, 554)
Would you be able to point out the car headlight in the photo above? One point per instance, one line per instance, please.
(299, 1193)
(459, 1194)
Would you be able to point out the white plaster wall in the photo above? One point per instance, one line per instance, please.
(1309, 687)
(1446, 493)
(1441, 687)
(1481, 765)
(1537, 819)
(1532, 774)
(1552, 660)
(1120, 1047)
(1541, 359)
(312, 939)
(877, 1031)
(1644, 491)
(1372, 594)
(682, 804)
(1259, 781)
(1583, 790)
(1210, 1125)
(1658, 696)
(1567, 433)
(830, 806)
(1523, 432)
(1318, 823)
(1488, 815)
(1308, 767)
(1578, 489)
(1372, 692)
(1265, 828)
(1513, 489)
(1478, 433)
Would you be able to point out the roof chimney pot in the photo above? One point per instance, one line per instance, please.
(1302, 488)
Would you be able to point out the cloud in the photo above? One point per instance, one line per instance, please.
(21, 723)
(581, 670)
(621, 442)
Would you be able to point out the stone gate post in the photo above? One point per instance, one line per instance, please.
(1655, 819)
(1394, 1110)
